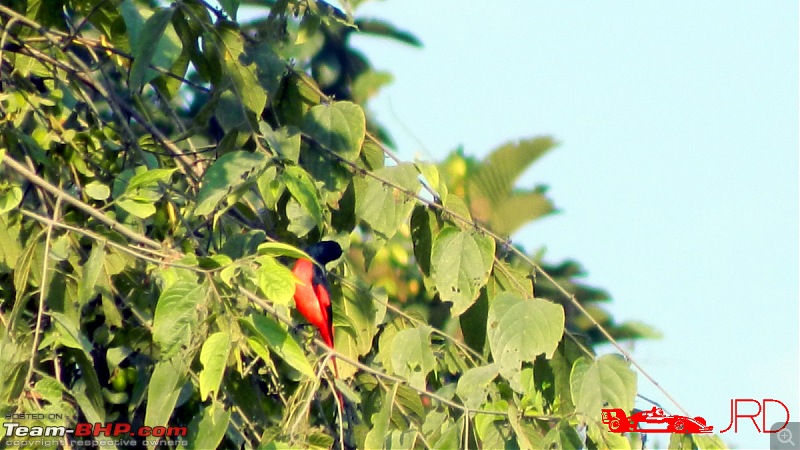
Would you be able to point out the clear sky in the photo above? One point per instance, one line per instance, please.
(677, 173)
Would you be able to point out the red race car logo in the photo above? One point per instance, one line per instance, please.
(653, 421)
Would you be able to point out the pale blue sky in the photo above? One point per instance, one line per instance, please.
(677, 173)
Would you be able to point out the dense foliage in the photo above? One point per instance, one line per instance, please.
(161, 167)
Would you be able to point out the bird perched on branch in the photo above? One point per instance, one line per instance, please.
(312, 296)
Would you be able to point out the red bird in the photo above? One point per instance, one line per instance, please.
(311, 296)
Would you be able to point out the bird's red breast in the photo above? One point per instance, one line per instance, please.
(313, 301)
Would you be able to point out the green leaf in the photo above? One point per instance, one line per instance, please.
(680, 441)
(517, 210)
(461, 262)
(231, 117)
(228, 173)
(153, 46)
(283, 141)
(281, 249)
(87, 391)
(208, 429)
(267, 332)
(300, 221)
(711, 442)
(139, 208)
(521, 329)
(340, 127)
(473, 322)
(162, 393)
(607, 382)
(378, 435)
(241, 70)
(381, 206)
(382, 28)
(302, 188)
(91, 273)
(600, 434)
(143, 189)
(134, 21)
(50, 389)
(275, 280)
(97, 190)
(491, 430)
(493, 196)
(356, 320)
(10, 197)
(150, 180)
(450, 436)
(176, 315)
(473, 385)
(424, 227)
(10, 245)
(368, 84)
(563, 435)
(412, 357)
(71, 335)
(213, 357)
(495, 177)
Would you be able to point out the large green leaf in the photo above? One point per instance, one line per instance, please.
(87, 391)
(520, 330)
(283, 141)
(275, 280)
(207, 429)
(302, 188)
(153, 46)
(10, 245)
(228, 173)
(381, 206)
(176, 315)
(163, 391)
(412, 357)
(340, 127)
(356, 320)
(492, 431)
(563, 435)
(424, 227)
(607, 382)
(213, 357)
(70, 334)
(379, 434)
(461, 262)
(10, 197)
(242, 71)
(473, 385)
(91, 273)
(281, 249)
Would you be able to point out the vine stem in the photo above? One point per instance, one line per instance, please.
(37, 332)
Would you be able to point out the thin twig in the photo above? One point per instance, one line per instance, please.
(43, 290)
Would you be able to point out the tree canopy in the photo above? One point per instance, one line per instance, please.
(162, 167)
